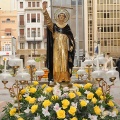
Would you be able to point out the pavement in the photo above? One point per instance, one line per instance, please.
(5, 97)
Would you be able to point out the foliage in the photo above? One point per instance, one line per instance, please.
(62, 103)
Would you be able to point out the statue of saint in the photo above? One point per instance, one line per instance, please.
(60, 46)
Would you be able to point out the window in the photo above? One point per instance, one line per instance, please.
(38, 4)
(7, 20)
(28, 32)
(21, 32)
(33, 32)
(38, 32)
(38, 45)
(7, 47)
(33, 4)
(38, 17)
(21, 45)
(33, 17)
(29, 4)
(21, 18)
(28, 18)
(21, 4)
(45, 33)
(29, 45)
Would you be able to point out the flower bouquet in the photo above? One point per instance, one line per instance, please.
(62, 103)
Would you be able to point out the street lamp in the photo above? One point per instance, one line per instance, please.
(34, 42)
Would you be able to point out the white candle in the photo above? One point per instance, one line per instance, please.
(111, 63)
(81, 64)
(21, 66)
(97, 63)
(14, 51)
(39, 65)
(5, 65)
(31, 54)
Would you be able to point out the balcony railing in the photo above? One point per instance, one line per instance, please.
(21, 38)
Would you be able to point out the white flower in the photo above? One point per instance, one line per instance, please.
(65, 119)
(74, 104)
(37, 118)
(92, 117)
(113, 114)
(40, 99)
(57, 92)
(27, 110)
(87, 92)
(105, 113)
(56, 107)
(25, 95)
(65, 95)
(65, 89)
(45, 111)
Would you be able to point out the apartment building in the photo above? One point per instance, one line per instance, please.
(31, 29)
(8, 30)
(103, 20)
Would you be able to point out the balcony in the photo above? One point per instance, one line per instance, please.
(21, 38)
(21, 24)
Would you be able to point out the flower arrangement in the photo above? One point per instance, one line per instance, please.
(62, 103)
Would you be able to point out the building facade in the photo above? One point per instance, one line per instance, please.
(31, 29)
(8, 30)
(103, 21)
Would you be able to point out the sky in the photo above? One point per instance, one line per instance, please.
(5, 4)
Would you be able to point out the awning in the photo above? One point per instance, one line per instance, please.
(8, 30)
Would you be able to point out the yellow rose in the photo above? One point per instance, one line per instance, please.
(46, 103)
(110, 103)
(78, 93)
(20, 118)
(60, 114)
(74, 118)
(77, 85)
(12, 111)
(22, 91)
(71, 95)
(54, 97)
(43, 86)
(72, 110)
(83, 103)
(99, 92)
(97, 110)
(102, 97)
(27, 98)
(35, 83)
(84, 119)
(94, 100)
(32, 90)
(65, 103)
(34, 108)
(32, 100)
(88, 85)
(90, 95)
(49, 89)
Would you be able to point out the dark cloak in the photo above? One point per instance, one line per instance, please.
(49, 61)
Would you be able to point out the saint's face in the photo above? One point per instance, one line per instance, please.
(61, 17)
